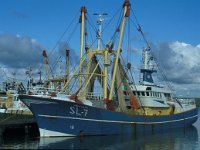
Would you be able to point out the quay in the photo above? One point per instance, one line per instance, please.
(16, 121)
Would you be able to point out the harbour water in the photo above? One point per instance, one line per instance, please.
(179, 139)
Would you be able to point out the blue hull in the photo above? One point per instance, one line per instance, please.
(63, 118)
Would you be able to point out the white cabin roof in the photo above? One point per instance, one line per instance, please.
(154, 88)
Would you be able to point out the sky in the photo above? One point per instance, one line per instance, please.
(171, 26)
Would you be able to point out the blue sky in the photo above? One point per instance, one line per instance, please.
(45, 20)
(171, 25)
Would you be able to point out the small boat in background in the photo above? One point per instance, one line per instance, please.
(11, 108)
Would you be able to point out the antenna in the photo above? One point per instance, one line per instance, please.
(30, 81)
(99, 23)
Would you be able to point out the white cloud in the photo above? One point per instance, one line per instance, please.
(18, 51)
(185, 54)
(181, 64)
(180, 61)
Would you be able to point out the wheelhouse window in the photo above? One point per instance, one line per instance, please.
(148, 88)
(143, 93)
(167, 94)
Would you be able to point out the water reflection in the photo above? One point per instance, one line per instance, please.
(179, 139)
(18, 139)
(174, 140)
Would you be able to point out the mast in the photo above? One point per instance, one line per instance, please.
(105, 53)
(46, 63)
(67, 68)
(99, 23)
(105, 81)
(30, 80)
(147, 69)
(126, 14)
(82, 21)
(40, 74)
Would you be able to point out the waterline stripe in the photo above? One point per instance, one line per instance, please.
(49, 133)
(112, 121)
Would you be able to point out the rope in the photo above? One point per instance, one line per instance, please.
(133, 83)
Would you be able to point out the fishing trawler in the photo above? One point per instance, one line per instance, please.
(11, 108)
(105, 101)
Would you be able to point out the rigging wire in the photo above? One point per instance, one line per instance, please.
(51, 52)
(68, 40)
(86, 81)
(115, 14)
(10, 78)
(113, 38)
(133, 81)
(91, 23)
(138, 27)
(58, 41)
(129, 48)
